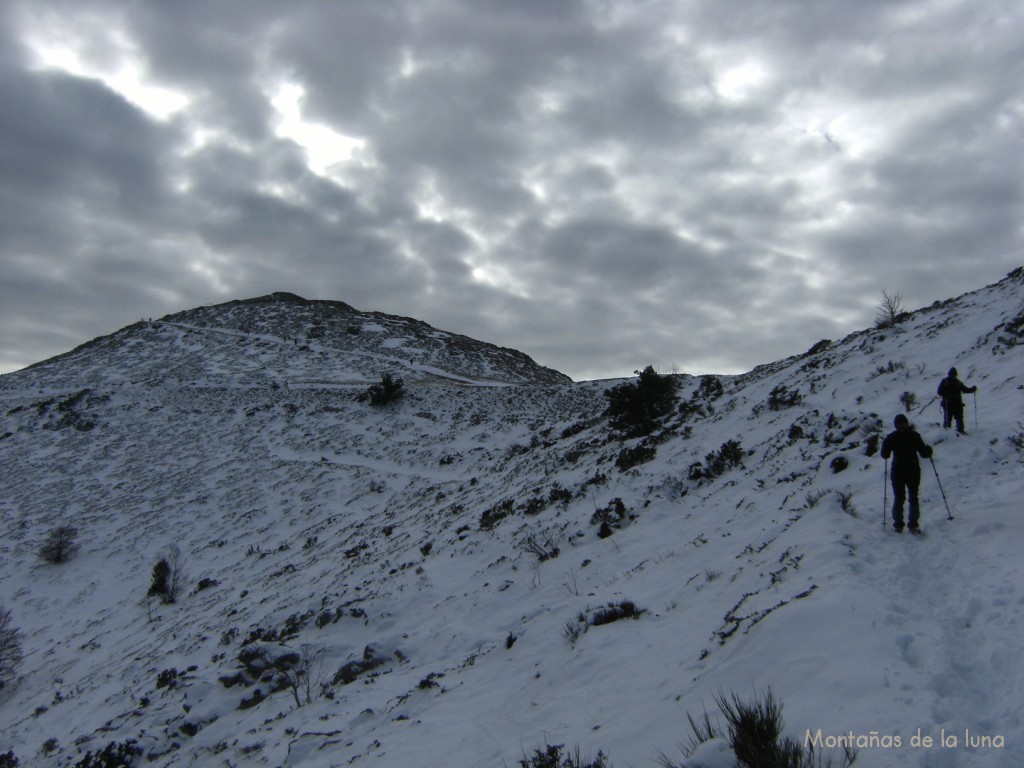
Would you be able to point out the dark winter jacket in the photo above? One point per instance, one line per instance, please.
(951, 389)
(904, 446)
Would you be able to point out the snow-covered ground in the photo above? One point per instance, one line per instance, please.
(406, 557)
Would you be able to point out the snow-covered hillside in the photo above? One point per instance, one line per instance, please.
(436, 564)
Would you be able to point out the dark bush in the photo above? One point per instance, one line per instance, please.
(609, 518)
(8, 760)
(387, 390)
(167, 575)
(710, 389)
(372, 658)
(636, 408)
(782, 397)
(167, 679)
(625, 609)
(158, 587)
(559, 495)
(728, 455)
(491, 517)
(114, 755)
(637, 454)
(838, 464)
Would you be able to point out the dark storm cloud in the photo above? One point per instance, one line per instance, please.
(604, 184)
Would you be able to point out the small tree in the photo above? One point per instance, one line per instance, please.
(60, 544)
(168, 575)
(889, 310)
(10, 648)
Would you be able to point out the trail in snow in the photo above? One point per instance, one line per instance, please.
(957, 663)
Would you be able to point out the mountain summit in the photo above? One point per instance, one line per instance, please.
(286, 339)
(258, 568)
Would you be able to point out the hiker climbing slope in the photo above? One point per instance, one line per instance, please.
(951, 390)
(904, 445)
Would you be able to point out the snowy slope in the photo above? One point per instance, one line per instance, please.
(408, 553)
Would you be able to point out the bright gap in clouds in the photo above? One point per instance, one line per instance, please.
(70, 44)
(325, 147)
(738, 82)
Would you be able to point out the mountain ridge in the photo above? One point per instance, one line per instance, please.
(442, 559)
(320, 328)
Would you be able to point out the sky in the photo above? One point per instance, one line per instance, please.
(702, 186)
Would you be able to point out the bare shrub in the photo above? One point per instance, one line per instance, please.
(889, 311)
(60, 544)
(10, 648)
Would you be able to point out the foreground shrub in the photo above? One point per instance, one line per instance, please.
(551, 757)
(754, 733)
(635, 408)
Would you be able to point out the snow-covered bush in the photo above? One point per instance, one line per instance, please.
(612, 612)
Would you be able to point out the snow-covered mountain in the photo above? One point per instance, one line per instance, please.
(438, 566)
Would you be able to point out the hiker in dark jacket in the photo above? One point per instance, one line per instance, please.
(904, 446)
(951, 390)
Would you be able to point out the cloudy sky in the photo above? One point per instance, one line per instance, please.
(701, 185)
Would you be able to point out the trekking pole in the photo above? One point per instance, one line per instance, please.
(949, 515)
(975, 409)
(885, 490)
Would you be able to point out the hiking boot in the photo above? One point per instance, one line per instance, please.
(898, 527)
